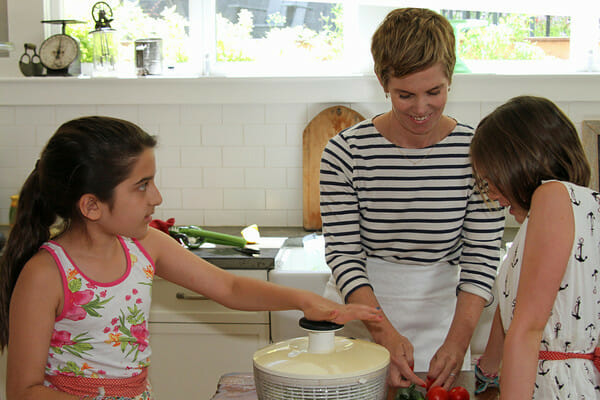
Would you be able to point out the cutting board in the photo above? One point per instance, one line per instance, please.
(317, 133)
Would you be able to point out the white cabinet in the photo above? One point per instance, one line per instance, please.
(195, 340)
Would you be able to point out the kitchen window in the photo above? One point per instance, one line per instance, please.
(287, 38)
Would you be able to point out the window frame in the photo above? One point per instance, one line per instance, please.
(356, 59)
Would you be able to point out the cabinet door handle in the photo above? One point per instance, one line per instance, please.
(183, 296)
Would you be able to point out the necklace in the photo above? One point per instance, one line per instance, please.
(411, 159)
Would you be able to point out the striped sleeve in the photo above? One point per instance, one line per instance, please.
(340, 215)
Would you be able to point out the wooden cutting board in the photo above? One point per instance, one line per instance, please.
(317, 133)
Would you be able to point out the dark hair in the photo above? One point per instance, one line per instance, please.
(526, 141)
(86, 155)
(410, 40)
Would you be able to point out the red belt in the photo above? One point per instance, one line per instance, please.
(559, 355)
(80, 386)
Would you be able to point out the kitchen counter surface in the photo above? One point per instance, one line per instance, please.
(240, 386)
(228, 257)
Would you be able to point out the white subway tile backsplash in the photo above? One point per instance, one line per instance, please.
(43, 132)
(151, 129)
(244, 156)
(194, 199)
(265, 177)
(295, 218)
(465, 113)
(201, 114)
(7, 115)
(184, 217)
(294, 178)
(223, 177)
(244, 114)
(283, 157)
(5, 199)
(9, 157)
(284, 199)
(201, 156)
(17, 135)
(27, 156)
(221, 217)
(293, 134)
(67, 113)
(266, 218)
(244, 199)
(34, 115)
(217, 164)
(488, 107)
(286, 113)
(581, 111)
(368, 110)
(172, 134)
(159, 114)
(222, 135)
(13, 178)
(272, 135)
(122, 111)
(180, 177)
(169, 157)
(171, 198)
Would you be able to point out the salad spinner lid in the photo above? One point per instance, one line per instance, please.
(321, 355)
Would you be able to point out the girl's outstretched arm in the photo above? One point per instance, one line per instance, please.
(33, 308)
(548, 244)
(179, 265)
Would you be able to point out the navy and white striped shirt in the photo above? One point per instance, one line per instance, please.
(410, 206)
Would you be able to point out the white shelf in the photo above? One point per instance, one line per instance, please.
(227, 90)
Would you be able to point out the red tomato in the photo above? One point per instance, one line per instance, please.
(437, 393)
(458, 393)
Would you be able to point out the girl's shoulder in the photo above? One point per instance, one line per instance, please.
(41, 275)
(550, 191)
(556, 187)
(156, 243)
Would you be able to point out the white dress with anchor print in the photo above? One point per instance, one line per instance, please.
(574, 323)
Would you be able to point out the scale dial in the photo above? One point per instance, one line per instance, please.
(58, 52)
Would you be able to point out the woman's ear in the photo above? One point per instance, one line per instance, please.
(90, 207)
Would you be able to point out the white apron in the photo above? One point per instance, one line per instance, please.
(419, 300)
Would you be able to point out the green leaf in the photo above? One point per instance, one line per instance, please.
(75, 285)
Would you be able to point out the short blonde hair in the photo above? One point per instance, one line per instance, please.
(410, 40)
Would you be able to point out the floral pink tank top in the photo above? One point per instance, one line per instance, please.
(102, 331)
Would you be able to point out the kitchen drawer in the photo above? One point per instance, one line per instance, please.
(175, 304)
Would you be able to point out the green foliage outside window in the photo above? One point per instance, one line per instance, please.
(503, 37)
(131, 23)
(506, 40)
(235, 41)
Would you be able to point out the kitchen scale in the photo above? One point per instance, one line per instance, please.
(59, 51)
